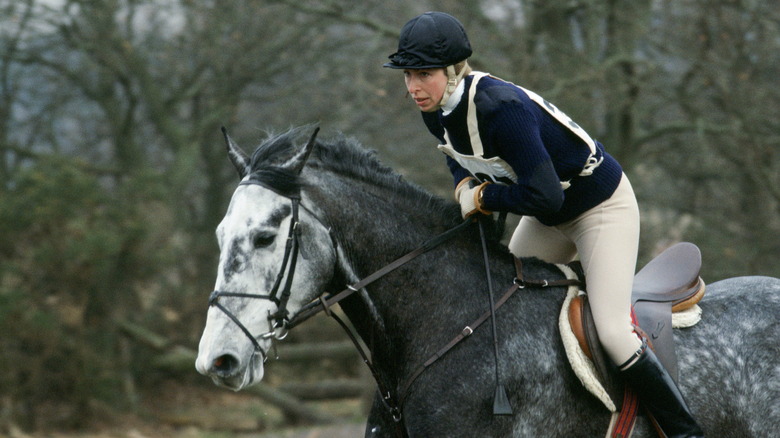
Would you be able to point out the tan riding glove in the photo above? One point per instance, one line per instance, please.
(470, 198)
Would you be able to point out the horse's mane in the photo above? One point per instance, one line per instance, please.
(342, 155)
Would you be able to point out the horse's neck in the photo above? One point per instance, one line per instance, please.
(421, 304)
(375, 225)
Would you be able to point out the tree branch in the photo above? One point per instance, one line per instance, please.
(335, 11)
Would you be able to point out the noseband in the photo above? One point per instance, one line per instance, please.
(279, 294)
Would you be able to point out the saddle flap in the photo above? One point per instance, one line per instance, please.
(655, 319)
(670, 276)
(607, 371)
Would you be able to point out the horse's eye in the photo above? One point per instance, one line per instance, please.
(262, 240)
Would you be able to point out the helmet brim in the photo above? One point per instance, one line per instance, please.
(411, 67)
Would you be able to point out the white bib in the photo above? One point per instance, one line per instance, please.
(495, 169)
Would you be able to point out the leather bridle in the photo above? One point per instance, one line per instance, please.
(279, 294)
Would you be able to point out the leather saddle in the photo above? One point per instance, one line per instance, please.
(669, 283)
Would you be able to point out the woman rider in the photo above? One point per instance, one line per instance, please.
(510, 150)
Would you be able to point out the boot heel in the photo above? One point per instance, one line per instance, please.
(660, 395)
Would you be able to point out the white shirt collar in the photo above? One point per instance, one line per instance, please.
(454, 99)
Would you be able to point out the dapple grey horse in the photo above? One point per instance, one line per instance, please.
(348, 216)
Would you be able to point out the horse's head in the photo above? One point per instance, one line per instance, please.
(275, 255)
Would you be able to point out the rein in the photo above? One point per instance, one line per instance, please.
(393, 404)
(323, 303)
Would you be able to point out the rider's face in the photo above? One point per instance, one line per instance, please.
(426, 86)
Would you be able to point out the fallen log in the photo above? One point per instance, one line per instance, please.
(292, 352)
(291, 405)
(327, 389)
(179, 359)
(319, 350)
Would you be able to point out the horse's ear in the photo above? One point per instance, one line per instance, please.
(297, 162)
(237, 156)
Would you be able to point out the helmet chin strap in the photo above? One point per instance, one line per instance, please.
(452, 82)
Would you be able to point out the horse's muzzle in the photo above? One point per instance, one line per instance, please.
(229, 371)
(224, 366)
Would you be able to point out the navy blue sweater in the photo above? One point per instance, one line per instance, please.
(539, 149)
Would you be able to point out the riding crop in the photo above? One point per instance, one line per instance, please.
(501, 404)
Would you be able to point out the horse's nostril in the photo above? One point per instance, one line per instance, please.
(225, 365)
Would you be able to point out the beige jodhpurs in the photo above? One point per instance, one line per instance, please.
(606, 238)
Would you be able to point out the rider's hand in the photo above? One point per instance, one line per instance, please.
(470, 199)
(464, 184)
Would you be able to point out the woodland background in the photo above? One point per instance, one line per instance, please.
(113, 175)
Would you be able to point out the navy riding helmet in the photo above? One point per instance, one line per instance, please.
(430, 40)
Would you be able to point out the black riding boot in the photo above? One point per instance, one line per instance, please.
(660, 395)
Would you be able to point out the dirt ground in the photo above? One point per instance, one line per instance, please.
(204, 411)
(346, 430)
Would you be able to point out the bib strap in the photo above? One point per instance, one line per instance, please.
(476, 141)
